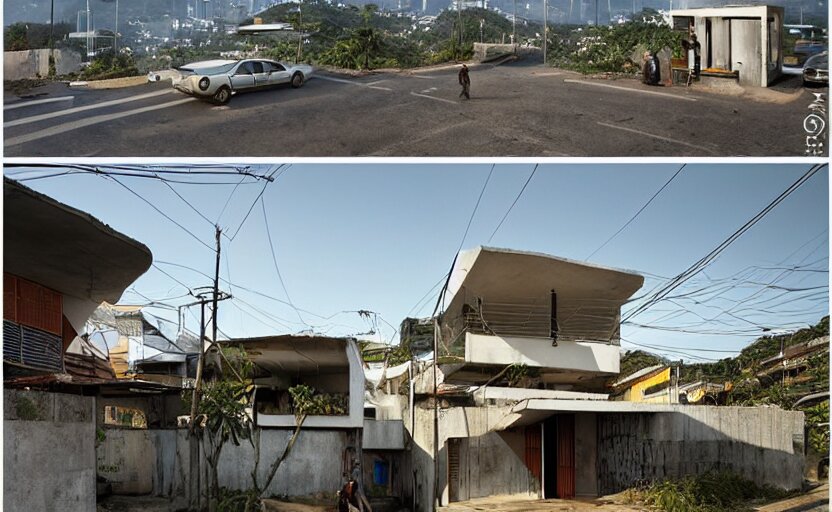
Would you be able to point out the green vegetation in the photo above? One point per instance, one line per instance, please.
(109, 65)
(635, 360)
(33, 36)
(616, 48)
(710, 492)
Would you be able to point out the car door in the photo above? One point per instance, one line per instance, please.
(242, 77)
(261, 73)
(279, 74)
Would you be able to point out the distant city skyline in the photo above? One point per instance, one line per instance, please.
(583, 11)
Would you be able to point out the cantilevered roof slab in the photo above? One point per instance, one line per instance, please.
(510, 275)
(67, 250)
(297, 354)
(514, 288)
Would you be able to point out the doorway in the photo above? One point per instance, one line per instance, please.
(559, 456)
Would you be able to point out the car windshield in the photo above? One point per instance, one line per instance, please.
(207, 70)
(820, 61)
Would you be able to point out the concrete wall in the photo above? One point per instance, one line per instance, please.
(48, 451)
(157, 462)
(586, 453)
(139, 462)
(746, 53)
(35, 63)
(383, 435)
(762, 444)
(539, 353)
(493, 464)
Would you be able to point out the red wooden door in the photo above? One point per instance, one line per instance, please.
(566, 456)
(533, 456)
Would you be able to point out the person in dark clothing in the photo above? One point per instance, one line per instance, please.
(465, 82)
(650, 70)
(348, 497)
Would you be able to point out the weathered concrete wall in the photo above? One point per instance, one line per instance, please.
(383, 435)
(488, 51)
(586, 453)
(454, 422)
(493, 464)
(314, 468)
(48, 451)
(762, 444)
(137, 461)
(35, 63)
(746, 52)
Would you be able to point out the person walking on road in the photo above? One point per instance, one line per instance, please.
(465, 82)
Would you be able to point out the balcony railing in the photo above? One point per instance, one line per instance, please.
(587, 320)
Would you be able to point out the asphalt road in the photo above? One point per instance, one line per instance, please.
(516, 109)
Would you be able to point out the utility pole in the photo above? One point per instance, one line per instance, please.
(300, 31)
(115, 34)
(195, 487)
(514, 26)
(436, 493)
(459, 16)
(545, 28)
(52, 37)
(216, 284)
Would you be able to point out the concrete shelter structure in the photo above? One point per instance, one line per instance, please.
(330, 365)
(747, 39)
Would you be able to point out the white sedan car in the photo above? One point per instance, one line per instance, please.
(217, 80)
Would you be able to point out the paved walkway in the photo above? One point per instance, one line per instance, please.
(816, 500)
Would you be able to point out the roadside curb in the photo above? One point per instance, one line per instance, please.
(760, 94)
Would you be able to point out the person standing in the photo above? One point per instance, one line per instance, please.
(465, 82)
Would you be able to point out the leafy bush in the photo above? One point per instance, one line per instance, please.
(109, 65)
(710, 492)
(609, 49)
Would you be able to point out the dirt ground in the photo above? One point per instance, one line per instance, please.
(816, 500)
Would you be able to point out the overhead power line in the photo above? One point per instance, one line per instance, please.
(622, 228)
(514, 203)
(712, 255)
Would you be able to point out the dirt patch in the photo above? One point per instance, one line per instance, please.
(285, 506)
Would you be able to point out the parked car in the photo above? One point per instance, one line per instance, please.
(218, 80)
(816, 69)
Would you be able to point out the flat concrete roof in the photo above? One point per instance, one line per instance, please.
(297, 353)
(506, 275)
(65, 249)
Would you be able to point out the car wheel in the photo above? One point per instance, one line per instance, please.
(222, 95)
(297, 80)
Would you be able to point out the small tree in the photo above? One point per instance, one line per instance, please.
(223, 404)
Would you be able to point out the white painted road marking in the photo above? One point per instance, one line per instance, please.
(37, 102)
(81, 123)
(628, 89)
(432, 98)
(359, 84)
(34, 119)
(666, 139)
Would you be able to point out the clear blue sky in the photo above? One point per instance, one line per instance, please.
(379, 236)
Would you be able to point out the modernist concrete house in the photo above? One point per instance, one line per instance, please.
(517, 404)
(59, 265)
(744, 39)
